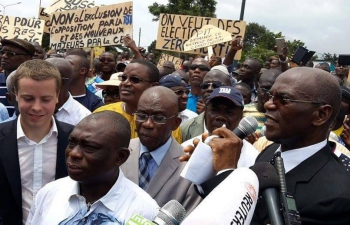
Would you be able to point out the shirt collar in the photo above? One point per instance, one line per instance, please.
(67, 106)
(294, 157)
(20, 132)
(159, 153)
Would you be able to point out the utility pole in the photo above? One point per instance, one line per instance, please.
(242, 10)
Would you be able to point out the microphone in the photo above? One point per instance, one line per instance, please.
(172, 213)
(245, 127)
(269, 182)
(233, 201)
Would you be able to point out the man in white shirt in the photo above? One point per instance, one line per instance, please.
(32, 146)
(177, 84)
(69, 110)
(96, 191)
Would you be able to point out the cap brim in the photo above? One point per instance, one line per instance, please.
(107, 83)
(18, 45)
(223, 96)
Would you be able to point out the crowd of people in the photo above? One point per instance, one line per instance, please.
(95, 144)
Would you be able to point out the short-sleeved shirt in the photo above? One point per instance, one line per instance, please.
(89, 100)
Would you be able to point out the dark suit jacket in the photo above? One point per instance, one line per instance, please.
(320, 185)
(10, 175)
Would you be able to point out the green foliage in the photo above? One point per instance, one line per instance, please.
(45, 42)
(204, 8)
(329, 57)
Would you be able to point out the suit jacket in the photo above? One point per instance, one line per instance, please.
(320, 185)
(193, 127)
(10, 174)
(166, 184)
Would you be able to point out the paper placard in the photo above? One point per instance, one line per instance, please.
(207, 36)
(98, 50)
(175, 30)
(64, 5)
(165, 57)
(98, 26)
(46, 17)
(22, 28)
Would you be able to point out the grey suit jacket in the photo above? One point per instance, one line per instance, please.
(193, 127)
(166, 184)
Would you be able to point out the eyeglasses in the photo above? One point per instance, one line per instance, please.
(141, 117)
(281, 100)
(214, 84)
(200, 67)
(106, 60)
(113, 94)
(134, 80)
(181, 92)
(11, 54)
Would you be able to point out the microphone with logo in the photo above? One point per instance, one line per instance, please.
(172, 213)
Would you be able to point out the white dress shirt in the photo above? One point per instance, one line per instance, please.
(294, 157)
(60, 201)
(187, 115)
(72, 111)
(37, 163)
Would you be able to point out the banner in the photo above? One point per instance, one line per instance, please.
(175, 30)
(64, 5)
(46, 17)
(98, 26)
(165, 57)
(22, 28)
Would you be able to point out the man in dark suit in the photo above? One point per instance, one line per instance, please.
(154, 159)
(32, 147)
(300, 112)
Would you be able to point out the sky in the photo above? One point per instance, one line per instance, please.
(321, 24)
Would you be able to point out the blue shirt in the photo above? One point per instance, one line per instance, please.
(90, 83)
(3, 113)
(89, 100)
(157, 156)
(192, 102)
(3, 90)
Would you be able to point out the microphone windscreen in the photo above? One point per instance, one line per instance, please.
(267, 175)
(172, 209)
(248, 125)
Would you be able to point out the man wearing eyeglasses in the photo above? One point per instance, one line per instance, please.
(198, 69)
(154, 159)
(197, 126)
(107, 65)
(13, 53)
(177, 84)
(138, 76)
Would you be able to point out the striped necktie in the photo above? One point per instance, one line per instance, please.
(144, 174)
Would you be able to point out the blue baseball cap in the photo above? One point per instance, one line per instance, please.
(227, 92)
(172, 80)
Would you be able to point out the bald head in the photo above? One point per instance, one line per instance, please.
(202, 61)
(10, 81)
(63, 65)
(217, 75)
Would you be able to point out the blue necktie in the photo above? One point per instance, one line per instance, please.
(144, 174)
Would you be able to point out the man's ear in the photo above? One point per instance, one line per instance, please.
(9, 98)
(123, 155)
(83, 70)
(322, 115)
(177, 123)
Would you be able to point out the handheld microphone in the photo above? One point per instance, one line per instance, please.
(172, 213)
(233, 201)
(245, 127)
(269, 183)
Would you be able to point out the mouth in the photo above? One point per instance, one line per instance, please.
(73, 169)
(270, 120)
(35, 117)
(126, 91)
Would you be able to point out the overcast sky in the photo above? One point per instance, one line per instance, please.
(322, 25)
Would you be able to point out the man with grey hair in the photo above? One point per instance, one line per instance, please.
(68, 110)
(10, 96)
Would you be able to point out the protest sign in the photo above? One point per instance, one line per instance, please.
(64, 5)
(98, 50)
(207, 36)
(22, 28)
(165, 57)
(46, 17)
(175, 30)
(98, 26)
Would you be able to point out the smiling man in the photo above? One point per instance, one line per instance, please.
(32, 152)
(96, 191)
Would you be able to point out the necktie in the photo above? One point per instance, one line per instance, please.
(144, 176)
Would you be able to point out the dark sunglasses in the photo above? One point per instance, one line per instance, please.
(214, 84)
(11, 54)
(106, 60)
(134, 80)
(181, 92)
(113, 94)
(282, 100)
(200, 67)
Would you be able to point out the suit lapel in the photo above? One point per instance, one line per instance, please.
(10, 161)
(165, 170)
(62, 142)
(131, 166)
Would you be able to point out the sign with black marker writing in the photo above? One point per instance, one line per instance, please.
(46, 17)
(207, 36)
(64, 5)
(98, 26)
(22, 28)
(175, 30)
(165, 57)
